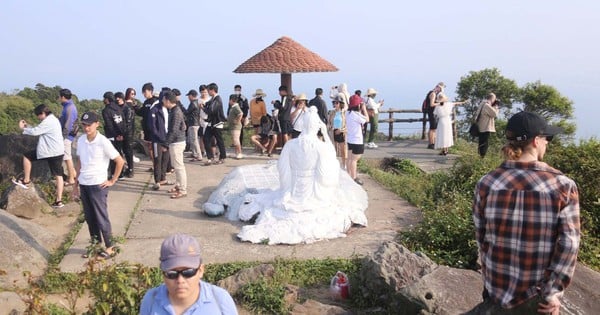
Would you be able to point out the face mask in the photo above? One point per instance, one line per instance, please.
(237, 92)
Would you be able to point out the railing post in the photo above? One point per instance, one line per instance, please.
(424, 126)
(391, 125)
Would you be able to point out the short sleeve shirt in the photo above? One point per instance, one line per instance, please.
(232, 120)
(213, 300)
(94, 157)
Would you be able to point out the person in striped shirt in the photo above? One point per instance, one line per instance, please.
(527, 224)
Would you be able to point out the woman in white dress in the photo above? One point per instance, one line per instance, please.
(443, 113)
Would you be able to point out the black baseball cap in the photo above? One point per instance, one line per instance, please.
(192, 93)
(527, 125)
(89, 118)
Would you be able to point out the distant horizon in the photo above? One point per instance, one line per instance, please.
(92, 47)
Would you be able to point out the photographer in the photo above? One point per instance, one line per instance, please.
(487, 112)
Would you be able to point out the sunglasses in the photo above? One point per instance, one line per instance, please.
(186, 273)
(336, 102)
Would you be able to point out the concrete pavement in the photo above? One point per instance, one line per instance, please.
(143, 217)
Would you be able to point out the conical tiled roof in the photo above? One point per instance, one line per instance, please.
(285, 56)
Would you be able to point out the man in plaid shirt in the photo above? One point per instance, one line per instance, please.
(526, 217)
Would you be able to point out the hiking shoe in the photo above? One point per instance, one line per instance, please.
(20, 182)
(58, 204)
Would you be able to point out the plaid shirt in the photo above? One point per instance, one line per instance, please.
(527, 229)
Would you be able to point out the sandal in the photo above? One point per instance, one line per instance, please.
(58, 204)
(167, 182)
(21, 182)
(209, 163)
(178, 195)
(67, 184)
(173, 190)
(220, 162)
(104, 255)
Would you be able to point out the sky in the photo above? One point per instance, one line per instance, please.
(400, 48)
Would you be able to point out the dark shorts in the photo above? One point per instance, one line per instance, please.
(286, 126)
(295, 133)
(431, 119)
(264, 137)
(356, 148)
(200, 132)
(54, 162)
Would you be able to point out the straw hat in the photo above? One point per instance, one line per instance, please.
(371, 91)
(259, 92)
(301, 97)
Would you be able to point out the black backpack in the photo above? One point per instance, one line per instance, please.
(426, 106)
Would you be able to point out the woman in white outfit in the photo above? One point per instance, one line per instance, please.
(443, 113)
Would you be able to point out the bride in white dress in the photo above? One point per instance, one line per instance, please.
(443, 113)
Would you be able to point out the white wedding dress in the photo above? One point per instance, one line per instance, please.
(312, 200)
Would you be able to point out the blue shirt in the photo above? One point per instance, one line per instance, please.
(212, 300)
(337, 120)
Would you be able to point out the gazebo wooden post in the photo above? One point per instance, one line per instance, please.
(286, 79)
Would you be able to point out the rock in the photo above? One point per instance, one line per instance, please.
(310, 307)
(12, 148)
(233, 283)
(409, 283)
(445, 291)
(390, 269)
(11, 303)
(29, 246)
(291, 294)
(25, 203)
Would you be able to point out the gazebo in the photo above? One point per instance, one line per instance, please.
(285, 56)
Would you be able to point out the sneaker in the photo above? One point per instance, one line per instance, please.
(20, 182)
(239, 156)
(58, 204)
(358, 181)
(130, 174)
(156, 186)
(136, 159)
(374, 146)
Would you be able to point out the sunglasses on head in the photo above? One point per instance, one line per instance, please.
(186, 273)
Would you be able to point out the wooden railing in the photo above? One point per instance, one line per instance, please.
(391, 120)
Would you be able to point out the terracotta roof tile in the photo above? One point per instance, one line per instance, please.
(285, 56)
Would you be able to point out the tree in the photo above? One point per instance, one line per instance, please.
(478, 84)
(549, 103)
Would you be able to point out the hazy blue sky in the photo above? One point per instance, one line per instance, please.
(401, 48)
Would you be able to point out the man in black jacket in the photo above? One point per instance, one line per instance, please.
(216, 118)
(128, 119)
(284, 115)
(114, 125)
(192, 115)
(319, 102)
(158, 116)
(143, 111)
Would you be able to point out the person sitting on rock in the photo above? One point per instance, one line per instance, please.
(50, 148)
(183, 291)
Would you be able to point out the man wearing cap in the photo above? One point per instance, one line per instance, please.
(428, 108)
(95, 151)
(183, 291)
(526, 217)
(192, 115)
(373, 110)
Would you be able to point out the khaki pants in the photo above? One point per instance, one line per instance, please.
(176, 154)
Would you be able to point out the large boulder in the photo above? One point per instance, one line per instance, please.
(410, 283)
(248, 275)
(25, 203)
(26, 246)
(11, 304)
(12, 148)
(310, 307)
